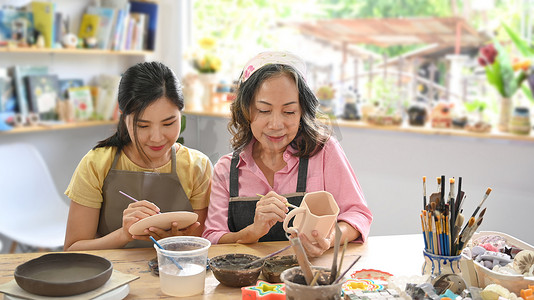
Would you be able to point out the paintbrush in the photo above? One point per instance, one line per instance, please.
(442, 194)
(302, 259)
(265, 257)
(452, 216)
(286, 203)
(345, 272)
(424, 192)
(488, 191)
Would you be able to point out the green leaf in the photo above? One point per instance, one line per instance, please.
(521, 44)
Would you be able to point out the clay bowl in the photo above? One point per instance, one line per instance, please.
(274, 266)
(63, 274)
(229, 269)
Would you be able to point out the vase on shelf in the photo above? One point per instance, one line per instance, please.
(208, 81)
(505, 113)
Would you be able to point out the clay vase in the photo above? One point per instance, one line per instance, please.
(209, 84)
(505, 114)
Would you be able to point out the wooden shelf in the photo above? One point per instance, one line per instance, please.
(74, 51)
(47, 127)
(222, 109)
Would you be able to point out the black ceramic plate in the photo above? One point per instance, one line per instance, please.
(63, 274)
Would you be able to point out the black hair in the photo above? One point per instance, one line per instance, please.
(312, 133)
(140, 86)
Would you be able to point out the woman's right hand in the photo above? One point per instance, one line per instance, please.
(135, 212)
(270, 209)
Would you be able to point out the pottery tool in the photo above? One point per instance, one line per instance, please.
(333, 270)
(342, 256)
(315, 278)
(346, 270)
(171, 258)
(302, 258)
(132, 198)
(135, 200)
(265, 257)
(286, 203)
(424, 192)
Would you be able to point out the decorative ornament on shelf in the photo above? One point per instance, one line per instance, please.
(325, 94)
(206, 62)
(505, 75)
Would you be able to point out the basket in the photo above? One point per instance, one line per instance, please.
(479, 276)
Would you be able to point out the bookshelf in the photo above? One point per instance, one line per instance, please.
(80, 63)
(75, 51)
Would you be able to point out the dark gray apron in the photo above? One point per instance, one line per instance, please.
(241, 210)
(163, 189)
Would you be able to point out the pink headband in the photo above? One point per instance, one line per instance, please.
(273, 57)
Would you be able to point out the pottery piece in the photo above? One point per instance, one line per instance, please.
(317, 211)
(182, 265)
(296, 287)
(274, 266)
(229, 269)
(164, 221)
(63, 274)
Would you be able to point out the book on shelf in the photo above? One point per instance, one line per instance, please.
(108, 87)
(43, 19)
(65, 84)
(43, 94)
(89, 26)
(8, 101)
(18, 73)
(105, 25)
(82, 102)
(16, 26)
(151, 10)
(139, 31)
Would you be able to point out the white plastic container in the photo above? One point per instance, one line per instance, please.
(190, 253)
(477, 275)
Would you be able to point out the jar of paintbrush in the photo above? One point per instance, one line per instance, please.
(443, 230)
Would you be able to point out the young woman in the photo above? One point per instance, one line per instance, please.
(281, 151)
(143, 160)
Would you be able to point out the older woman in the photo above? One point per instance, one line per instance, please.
(281, 150)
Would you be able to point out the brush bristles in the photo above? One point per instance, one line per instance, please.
(488, 191)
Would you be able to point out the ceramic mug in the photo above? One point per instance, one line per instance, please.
(317, 211)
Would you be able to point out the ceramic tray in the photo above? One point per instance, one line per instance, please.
(63, 274)
(164, 221)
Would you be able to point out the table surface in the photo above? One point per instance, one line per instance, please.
(400, 255)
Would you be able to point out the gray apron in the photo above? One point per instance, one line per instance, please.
(163, 189)
(241, 210)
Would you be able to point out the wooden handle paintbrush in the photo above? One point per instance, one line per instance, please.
(424, 192)
(488, 191)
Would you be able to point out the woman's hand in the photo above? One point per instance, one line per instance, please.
(316, 246)
(270, 209)
(135, 212)
(158, 233)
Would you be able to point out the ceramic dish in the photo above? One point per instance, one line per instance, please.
(228, 269)
(164, 221)
(274, 266)
(63, 274)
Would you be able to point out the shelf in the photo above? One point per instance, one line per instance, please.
(222, 109)
(48, 127)
(74, 51)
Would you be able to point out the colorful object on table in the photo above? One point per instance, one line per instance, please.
(371, 274)
(264, 290)
(362, 284)
(526, 294)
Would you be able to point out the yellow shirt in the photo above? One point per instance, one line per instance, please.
(194, 170)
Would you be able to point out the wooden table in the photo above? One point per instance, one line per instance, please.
(400, 255)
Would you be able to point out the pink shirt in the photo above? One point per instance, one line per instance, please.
(328, 170)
